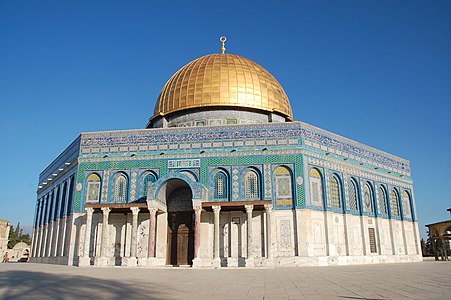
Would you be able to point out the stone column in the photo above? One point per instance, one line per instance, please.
(197, 212)
(250, 258)
(44, 240)
(84, 260)
(41, 240)
(152, 221)
(132, 261)
(268, 208)
(103, 260)
(49, 239)
(217, 259)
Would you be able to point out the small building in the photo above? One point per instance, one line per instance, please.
(440, 234)
(20, 252)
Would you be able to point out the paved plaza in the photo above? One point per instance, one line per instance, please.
(425, 280)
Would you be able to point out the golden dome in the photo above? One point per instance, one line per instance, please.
(223, 80)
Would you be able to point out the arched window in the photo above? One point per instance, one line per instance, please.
(251, 185)
(352, 195)
(93, 190)
(283, 186)
(220, 186)
(147, 181)
(394, 203)
(120, 188)
(407, 210)
(335, 193)
(382, 200)
(316, 187)
(368, 198)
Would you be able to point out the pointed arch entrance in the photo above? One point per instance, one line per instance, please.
(180, 242)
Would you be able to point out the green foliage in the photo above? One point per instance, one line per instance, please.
(17, 236)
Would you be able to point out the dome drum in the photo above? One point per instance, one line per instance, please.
(215, 116)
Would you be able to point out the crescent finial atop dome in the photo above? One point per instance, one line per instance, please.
(223, 39)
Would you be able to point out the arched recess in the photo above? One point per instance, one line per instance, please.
(120, 187)
(220, 185)
(316, 187)
(406, 206)
(93, 188)
(283, 187)
(190, 174)
(352, 201)
(335, 192)
(382, 200)
(251, 184)
(394, 203)
(157, 190)
(368, 198)
(146, 180)
(178, 196)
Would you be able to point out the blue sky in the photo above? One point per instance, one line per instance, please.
(378, 72)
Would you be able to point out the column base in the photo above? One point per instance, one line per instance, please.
(216, 263)
(152, 262)
(197, 263)
(129, 262)
(101, 261)
(249, 262)
(268, 262)
(84, 261)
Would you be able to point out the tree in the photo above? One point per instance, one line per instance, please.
(17, 236)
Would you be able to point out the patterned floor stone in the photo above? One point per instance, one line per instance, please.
(426, 280)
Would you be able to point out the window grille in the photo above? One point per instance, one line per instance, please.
(382, 200)
(406, 205)
(120, 189)
(372, 236)
(251, 185)
(368, 198)
(220, 186)
(352, 195)
(335, 192)
(394, 203)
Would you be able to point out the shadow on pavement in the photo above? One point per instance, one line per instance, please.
(39, 285)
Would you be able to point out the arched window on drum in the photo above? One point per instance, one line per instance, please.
(120, 188)
(93, 189)
(406, 208)
(220, 186)
(251, 185)
(316, 187)
(283, 186)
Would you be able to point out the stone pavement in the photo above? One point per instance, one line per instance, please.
(425, 280)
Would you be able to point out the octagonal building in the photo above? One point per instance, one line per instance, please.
(223, 176)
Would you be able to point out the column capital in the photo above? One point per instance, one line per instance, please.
(153, 210)
(106, 210)
(197, 209)
(249, 208)
(89, 210)
(268, 207)
(216, 208)
(135, 210)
